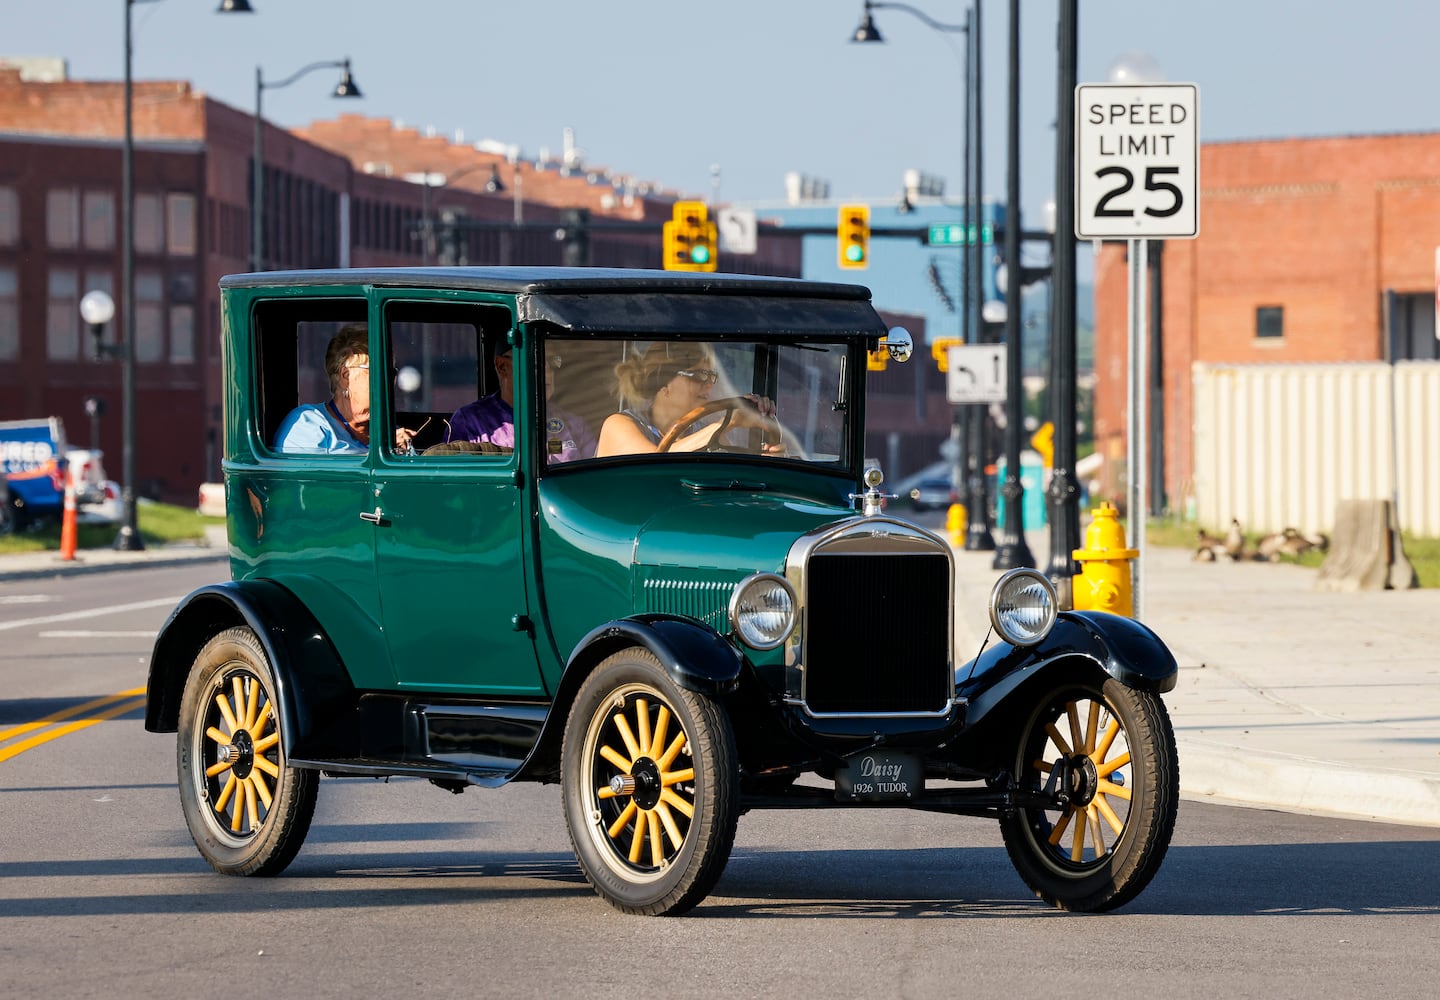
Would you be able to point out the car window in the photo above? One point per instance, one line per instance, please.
(290, 344)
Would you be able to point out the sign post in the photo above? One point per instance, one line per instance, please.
(1137, 167)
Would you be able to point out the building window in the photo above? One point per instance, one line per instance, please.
(62, 316)
(9, 217)
(180, 224)
(149, 317)
(9, 315)
(62, 218)
(182, 334)
(1270, 322)
(149, 223)
(99, 221)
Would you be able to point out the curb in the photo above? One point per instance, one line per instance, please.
(54, 566)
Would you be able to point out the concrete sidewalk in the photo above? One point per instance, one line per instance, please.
(1288, 698)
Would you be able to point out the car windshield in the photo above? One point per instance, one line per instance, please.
(609, 398)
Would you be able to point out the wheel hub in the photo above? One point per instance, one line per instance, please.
(1080, 779)
(643, 782)
(239, 754)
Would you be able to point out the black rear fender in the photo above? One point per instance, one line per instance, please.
(316, 697)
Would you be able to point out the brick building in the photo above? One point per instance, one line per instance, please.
(1309, 250)
(354, 191)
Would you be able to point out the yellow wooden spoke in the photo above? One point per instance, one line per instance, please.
(217, 735)
(225, 794)
(264, 764)
(218, 768)
(675, 802)
(626, 815)
(251, 811)
(1072, 715)
(671, 752)
(1104, 806)
(638, 840)
(662, 729)
(668, 778)
(237, 685)
(262, 789)
(1043, 766)
(614, 757)
(1110, 788)
(671, 828)
(623, 725)
(1111, 766)
(1057, 739)
(225, 712)
(252, 704)
(642, 724)
(604, 792)
(1097, 836)
(657, 842)
(1059, 832)
(1091, 725)
(1077, 843)
(260, 720)
(237, 807)
(265, 744)
(1111, 731)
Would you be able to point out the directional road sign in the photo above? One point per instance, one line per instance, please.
(976, 374)
(1137, 161)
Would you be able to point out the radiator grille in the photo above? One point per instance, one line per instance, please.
(705, 600)
(876, 631)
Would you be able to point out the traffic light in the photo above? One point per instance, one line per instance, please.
(852, 236)
(690, 238)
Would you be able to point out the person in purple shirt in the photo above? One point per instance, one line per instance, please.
(491, 419)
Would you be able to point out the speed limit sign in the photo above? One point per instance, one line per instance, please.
(1137, 161)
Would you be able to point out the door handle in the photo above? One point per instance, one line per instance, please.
(376, 516)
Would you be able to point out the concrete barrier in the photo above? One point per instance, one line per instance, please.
(1366, 552)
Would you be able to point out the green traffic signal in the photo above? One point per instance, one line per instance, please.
(700, 254)
(855, 253)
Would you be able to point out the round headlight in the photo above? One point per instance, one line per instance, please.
(1022, 607)
(762, 610)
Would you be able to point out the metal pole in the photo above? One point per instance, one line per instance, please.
(1013, 551)
(960, 417)
(257, 196)
(1157, 380)
(128, 537)
(1136, 382)
(1064, 493)
(977, 534)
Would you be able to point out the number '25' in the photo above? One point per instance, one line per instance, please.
(1152, 183)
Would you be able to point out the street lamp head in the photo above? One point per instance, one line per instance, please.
(235, 7)
(97, 308)
(867, 32)
(347, 86)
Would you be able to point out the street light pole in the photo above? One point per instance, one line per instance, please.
(345, 88)
(978, 537)
(128, 537)
(1013, 551)
(1063, 493)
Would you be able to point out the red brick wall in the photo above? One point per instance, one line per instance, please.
(1320, 227)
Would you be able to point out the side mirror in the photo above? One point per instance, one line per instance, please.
(899, 343)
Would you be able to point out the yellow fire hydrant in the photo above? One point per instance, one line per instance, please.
(955, 523)
(1105, 582)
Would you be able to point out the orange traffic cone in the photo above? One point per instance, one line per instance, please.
(67, 525)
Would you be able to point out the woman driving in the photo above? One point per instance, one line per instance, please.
(658, 388)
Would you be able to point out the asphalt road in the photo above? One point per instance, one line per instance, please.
(405, 887)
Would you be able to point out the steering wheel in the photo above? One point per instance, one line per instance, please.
(729, 404)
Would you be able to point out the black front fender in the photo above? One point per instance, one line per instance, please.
(314, 690)
(1125, 649)
(695, 656)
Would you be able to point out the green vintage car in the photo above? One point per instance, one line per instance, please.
(668, 582)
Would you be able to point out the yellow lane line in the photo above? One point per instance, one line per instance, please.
(69, 713)
(16, 749)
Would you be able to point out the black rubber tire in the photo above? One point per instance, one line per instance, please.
(1111, 875)
(253, 838)
(605, 829)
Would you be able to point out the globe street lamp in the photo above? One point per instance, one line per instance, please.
(345, 88)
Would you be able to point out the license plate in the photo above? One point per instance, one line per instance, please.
(878, 776)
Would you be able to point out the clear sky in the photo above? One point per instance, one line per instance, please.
(666, 89)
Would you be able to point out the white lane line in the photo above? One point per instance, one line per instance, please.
(27, 599)
(96, 634)
(109, 609)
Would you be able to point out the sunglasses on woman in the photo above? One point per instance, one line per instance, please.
(705, 376)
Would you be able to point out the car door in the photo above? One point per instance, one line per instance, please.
(450, 551)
